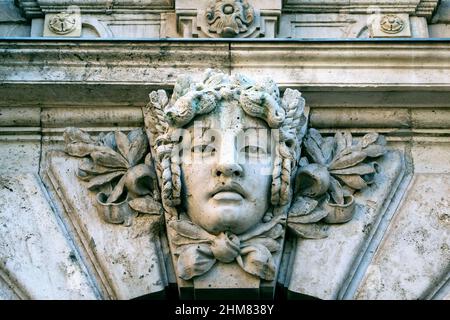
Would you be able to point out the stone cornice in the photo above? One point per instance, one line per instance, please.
(330, 73)
(418, 7)
(346, 63)
(425, 8)
(36, 8)
(29, 8)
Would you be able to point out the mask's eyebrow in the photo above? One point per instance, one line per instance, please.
(254, 123)
(205, 135)
(198, 127)
(255, 135)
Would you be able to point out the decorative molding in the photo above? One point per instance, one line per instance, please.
(36, 8)
(62, 23)
(114, 166)
(30, 8)
(426, 8)
(89, 72)
(323, 63)
(418, 7)
(100, 27)
(343, 250)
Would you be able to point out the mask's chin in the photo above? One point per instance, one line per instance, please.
(222, 218)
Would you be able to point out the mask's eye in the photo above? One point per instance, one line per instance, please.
(254, 151)
(204, 149)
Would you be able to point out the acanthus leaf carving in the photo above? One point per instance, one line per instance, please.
(324, 187)
(113, 166)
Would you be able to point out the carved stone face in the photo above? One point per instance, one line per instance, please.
(227, 182)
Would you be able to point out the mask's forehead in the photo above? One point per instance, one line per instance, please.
(228, 116)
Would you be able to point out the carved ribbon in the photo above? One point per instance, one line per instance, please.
(199, 250)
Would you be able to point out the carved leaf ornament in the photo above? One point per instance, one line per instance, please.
(335, 167)
(113, 164)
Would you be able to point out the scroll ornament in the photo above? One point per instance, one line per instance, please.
(117, 166)
(334, 169)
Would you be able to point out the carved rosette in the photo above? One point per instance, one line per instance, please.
(391, 23)
(229, 18)
(63, 23)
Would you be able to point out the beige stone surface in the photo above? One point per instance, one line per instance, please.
(415, 254)
(322, 266)
(20, 155)
(20, 139)
(114, 253)
(35, 253)
(431, 157)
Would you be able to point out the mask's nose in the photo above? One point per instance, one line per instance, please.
(227, 161)
(228, 170)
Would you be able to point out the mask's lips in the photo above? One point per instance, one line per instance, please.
(232, 187)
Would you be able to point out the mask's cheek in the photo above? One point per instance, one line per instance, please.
(257, 180)
(196, 179)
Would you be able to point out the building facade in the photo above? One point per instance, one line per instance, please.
(368, 68)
